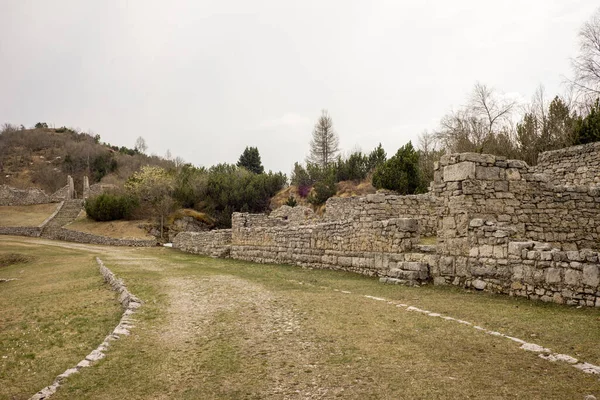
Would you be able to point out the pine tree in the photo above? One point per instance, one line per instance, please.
(400, 173)
(250, 159)
(324, 144)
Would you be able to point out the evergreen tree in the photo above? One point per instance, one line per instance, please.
(324, 144)
(250, 159)
(400, 173)
(588, 129)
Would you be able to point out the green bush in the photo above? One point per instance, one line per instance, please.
(400, 173)
(322, 191)
(230, 188)
(291, 201)
(110, 206)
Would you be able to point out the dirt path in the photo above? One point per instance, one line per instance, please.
(262, 327)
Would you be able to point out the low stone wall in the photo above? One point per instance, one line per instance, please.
(69, 235)
(379, 207)
(577, 165)
(393, 235)
(33, 231)
(130, 305)
(535, 270)
(10, 196)
(374, 248)
(215, 243)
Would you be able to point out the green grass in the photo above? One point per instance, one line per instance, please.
(223, 329)
(51, 317)
(32, 215)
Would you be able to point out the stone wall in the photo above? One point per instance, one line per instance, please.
(69, 235)
(501, 226)
(379, 207)
(34, 231)
(577, 165)
(505, 228)
(10, 196)
(508, 191)
(377, 248)
(215, 243)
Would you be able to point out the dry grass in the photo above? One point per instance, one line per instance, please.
(223, 329)
(344, 189)
(188, 212)
(32, 215)
(56, 311)
(115, 229)
(351, 188)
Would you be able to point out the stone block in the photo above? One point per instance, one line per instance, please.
(516, 248)
(478, 158)
(553, 275)
(459, 172)
(572, 277)
(590, 275)
(479, 284)
(513, 174)
(487, 173)
(407, 224)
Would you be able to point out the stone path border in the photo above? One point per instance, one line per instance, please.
(543, 352)
(129, 302)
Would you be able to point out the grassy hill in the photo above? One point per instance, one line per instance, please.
(43, 157)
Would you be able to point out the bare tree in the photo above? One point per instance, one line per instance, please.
(483, 125)
(324, 144)
(587, 64)
(494, 108)
(140, 145)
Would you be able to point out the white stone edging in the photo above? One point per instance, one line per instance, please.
(543, 352)
(129, 302)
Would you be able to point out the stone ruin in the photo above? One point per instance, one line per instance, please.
(10, 196)
(499, 225)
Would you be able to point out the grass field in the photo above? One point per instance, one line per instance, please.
(32, 215)
(120, 229)
(223, 329)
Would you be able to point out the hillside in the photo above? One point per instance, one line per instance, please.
(43, 157)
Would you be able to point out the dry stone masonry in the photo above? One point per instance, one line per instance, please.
(500, 225)
(577, 165)
(130, 305)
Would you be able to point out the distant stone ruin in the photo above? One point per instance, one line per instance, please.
(499, 225)
(10, 196)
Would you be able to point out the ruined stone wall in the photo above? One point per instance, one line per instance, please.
(215, 243)
(369, 247)
(505, 228)
(379, 207)
(501, 226)
(577, 165)
(508, 191)
(69, 235)
(10, 196)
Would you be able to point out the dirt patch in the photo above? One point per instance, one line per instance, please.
(242, 325)
(14, 258)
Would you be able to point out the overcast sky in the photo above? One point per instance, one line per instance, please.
(207, 78)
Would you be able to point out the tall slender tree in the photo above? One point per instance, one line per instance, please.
(325, 143)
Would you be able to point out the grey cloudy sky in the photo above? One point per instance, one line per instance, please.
(206, 78)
